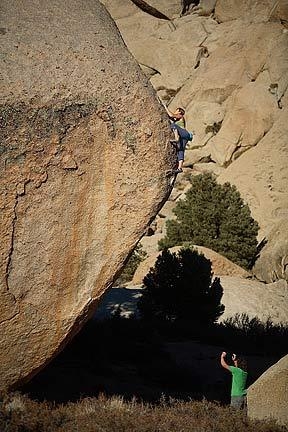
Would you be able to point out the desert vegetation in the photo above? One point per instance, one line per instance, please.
(180, 286)
(118, 375)
(214, 216)
(19, 414)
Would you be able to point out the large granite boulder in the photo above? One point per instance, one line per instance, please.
(268, 396)
(118, 10)
(84, 156)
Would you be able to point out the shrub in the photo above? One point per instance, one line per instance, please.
(255, 335)
(180, 287)
(216, 217)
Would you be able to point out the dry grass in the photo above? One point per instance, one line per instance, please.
(102, 414)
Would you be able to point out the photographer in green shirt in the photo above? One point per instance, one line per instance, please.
(239, 378)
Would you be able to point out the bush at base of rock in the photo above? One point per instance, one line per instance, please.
(180, 287)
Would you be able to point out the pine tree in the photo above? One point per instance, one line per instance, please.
(181, 287)
(214, 216)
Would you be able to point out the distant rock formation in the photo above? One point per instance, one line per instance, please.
(84, 157)
(241, 87)
(268, 396)
(255, 299)
(261, 176)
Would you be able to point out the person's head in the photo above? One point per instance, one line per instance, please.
(179, 113)
(239, 362)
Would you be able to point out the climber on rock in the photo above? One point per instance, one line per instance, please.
(181, 135)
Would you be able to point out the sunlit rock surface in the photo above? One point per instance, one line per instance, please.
(268, 396)
(84, 158)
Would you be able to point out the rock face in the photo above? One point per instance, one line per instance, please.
(255, 299)
(268, 396)
(261, 176)
(162, 9)
(273, 261)
(80, 122)
(252, 10)
(226, 63)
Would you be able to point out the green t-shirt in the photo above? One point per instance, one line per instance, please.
(239, 378)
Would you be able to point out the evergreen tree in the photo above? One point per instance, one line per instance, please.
(181, 287)
(214, 216)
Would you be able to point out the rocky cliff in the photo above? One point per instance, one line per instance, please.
(84, 158)
(226, 63)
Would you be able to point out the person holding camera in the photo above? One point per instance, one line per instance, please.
(239, 378)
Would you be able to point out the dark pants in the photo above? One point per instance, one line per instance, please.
(238, 402)
(184, 137)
